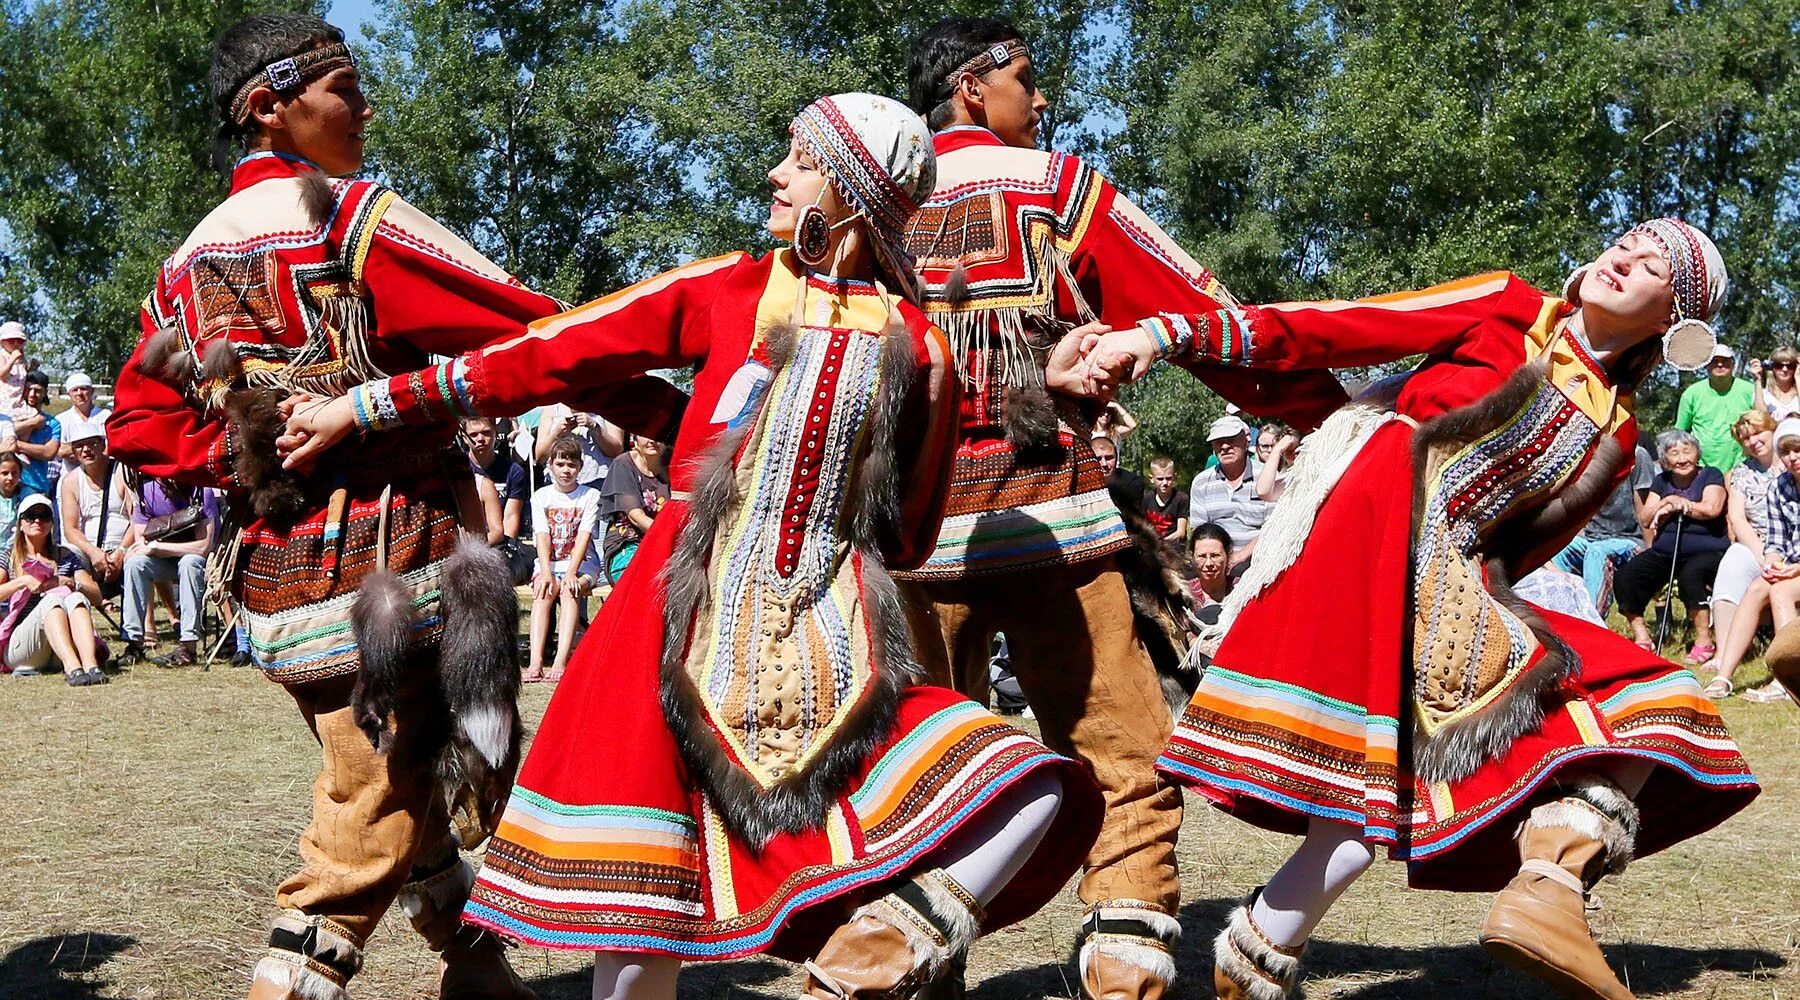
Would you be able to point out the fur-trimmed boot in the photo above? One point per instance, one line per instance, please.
(1247, 965)
(1538, 923)
(472, 963)
(309, 958)
(1127, 951)
(894, 946)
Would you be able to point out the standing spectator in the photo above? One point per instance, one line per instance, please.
(637, 487)
(1710, 407)
(42, 442)
(563, 517)
(1115, 423)
(1614, 534)
(20, 416)
(1226, 493)
(1276, 445)
(171, 532)
(502, 485)
(600, 442)
(1127, 487)
(1165, 506)
(96, 511)
(1777, 586)
(81, 407)
(1212, 564)
(45, 616)
(1777, 395)
(1686, 509)
(10, 495)
(1748, 488)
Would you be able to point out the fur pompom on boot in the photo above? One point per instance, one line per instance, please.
(1128, 951)
(1538, 923)
(894, 946)
(1247, 965)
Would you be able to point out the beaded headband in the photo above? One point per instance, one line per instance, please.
(1687, 265)
(991, 58)
(290, 73)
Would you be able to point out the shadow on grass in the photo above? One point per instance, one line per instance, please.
(1404, 973)
(699, 981)
(48, 967)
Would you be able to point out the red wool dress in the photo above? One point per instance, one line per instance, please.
(1388, 678)
(756, 636)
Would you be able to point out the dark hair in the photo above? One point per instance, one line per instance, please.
(565, 447)
(464, 423)
(937, 52)
(38, 378)
(1210, 530)
(13, 457)
(246, 49)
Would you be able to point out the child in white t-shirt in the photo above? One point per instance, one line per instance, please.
(564, 515)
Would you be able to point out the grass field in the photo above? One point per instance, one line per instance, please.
(149, 820)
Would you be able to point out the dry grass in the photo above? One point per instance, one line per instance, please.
(149, 821)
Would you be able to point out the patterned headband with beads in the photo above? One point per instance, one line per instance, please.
(1695, 271)
(287, 74)
(991, 58)
(877, 153)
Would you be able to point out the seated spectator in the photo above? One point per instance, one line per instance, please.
(503, 487)
(1776, 393)
(1226, 493)
(600, 441)
(1686, 509)
(1747, 488)
(10, 495)
(1212, 561)
(563, 517)
(1165, 507)
(96, 511)
(1614, 534)
(39, 437)
(637, 487)
(1126, 487)
(46, 617)
(1276, 445)
(1777, 587)
(171, 532)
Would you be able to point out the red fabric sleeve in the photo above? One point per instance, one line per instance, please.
(925, 447)
(158, 430)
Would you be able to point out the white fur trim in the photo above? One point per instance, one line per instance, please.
(1159, 924)
(1614, 827)
(331, 943)
(489, 729)
(1321, 461)
(1244, 957)
(299, 981)
(949, 916)
(448, 888)
(1146, 954)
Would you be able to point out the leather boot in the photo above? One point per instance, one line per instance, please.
(1127, 951)
(472, 963)
(1538, 923)
(1783, 658)
(897, 944)
(309, 958)
(1247, 965)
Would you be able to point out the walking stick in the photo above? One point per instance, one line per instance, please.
(1662, 625)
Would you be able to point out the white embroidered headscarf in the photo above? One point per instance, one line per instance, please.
(877, 153)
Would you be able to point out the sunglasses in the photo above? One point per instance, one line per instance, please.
(1786, 366)
(36, 515)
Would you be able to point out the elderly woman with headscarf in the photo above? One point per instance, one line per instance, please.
(1685, 508)
(742, 757)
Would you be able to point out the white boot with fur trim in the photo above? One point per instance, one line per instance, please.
(1247, 965)
(1128, 951)
(894, 946)
(1538, 923)
(309, 958)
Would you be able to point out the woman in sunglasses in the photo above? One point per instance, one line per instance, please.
(1776, 393)
(45, 615)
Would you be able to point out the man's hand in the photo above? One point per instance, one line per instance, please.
(1066, 371)
(1121, 356)
(314, 425)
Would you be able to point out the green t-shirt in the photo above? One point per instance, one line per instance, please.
(1709, 415)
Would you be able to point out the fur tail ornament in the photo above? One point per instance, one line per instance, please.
(479, 670)
(382, 617)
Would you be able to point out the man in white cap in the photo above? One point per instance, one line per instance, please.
(1711, 407)
(1226, 493)
(81, 406)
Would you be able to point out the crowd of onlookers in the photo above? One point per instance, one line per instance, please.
(1709, 514)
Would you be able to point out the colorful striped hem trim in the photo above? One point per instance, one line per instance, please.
(758, 939)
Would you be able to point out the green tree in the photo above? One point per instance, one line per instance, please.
(106, 166)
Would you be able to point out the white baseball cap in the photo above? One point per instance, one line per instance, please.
(76, 429)
(1721, 351)
(32, 502)
(77, 380)
(1227, 426)
(12, 329)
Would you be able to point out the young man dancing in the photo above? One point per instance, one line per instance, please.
(1018, 246)
(394, 637)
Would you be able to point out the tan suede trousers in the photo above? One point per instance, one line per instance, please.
(1076, 654)
(377, 820)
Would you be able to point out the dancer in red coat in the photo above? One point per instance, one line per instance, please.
(740, 758)
(1425, 707)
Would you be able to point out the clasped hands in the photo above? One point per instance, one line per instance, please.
(1093, 361)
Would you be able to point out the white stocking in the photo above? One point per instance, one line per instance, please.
(985, 855)
(1630, 774)
(1297, 896)
(626, 976)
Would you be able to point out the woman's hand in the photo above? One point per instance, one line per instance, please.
(35, 584)
(314, 425)
(543, 585)
(1066, 370)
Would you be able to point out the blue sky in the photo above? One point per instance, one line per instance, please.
(351, 15)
